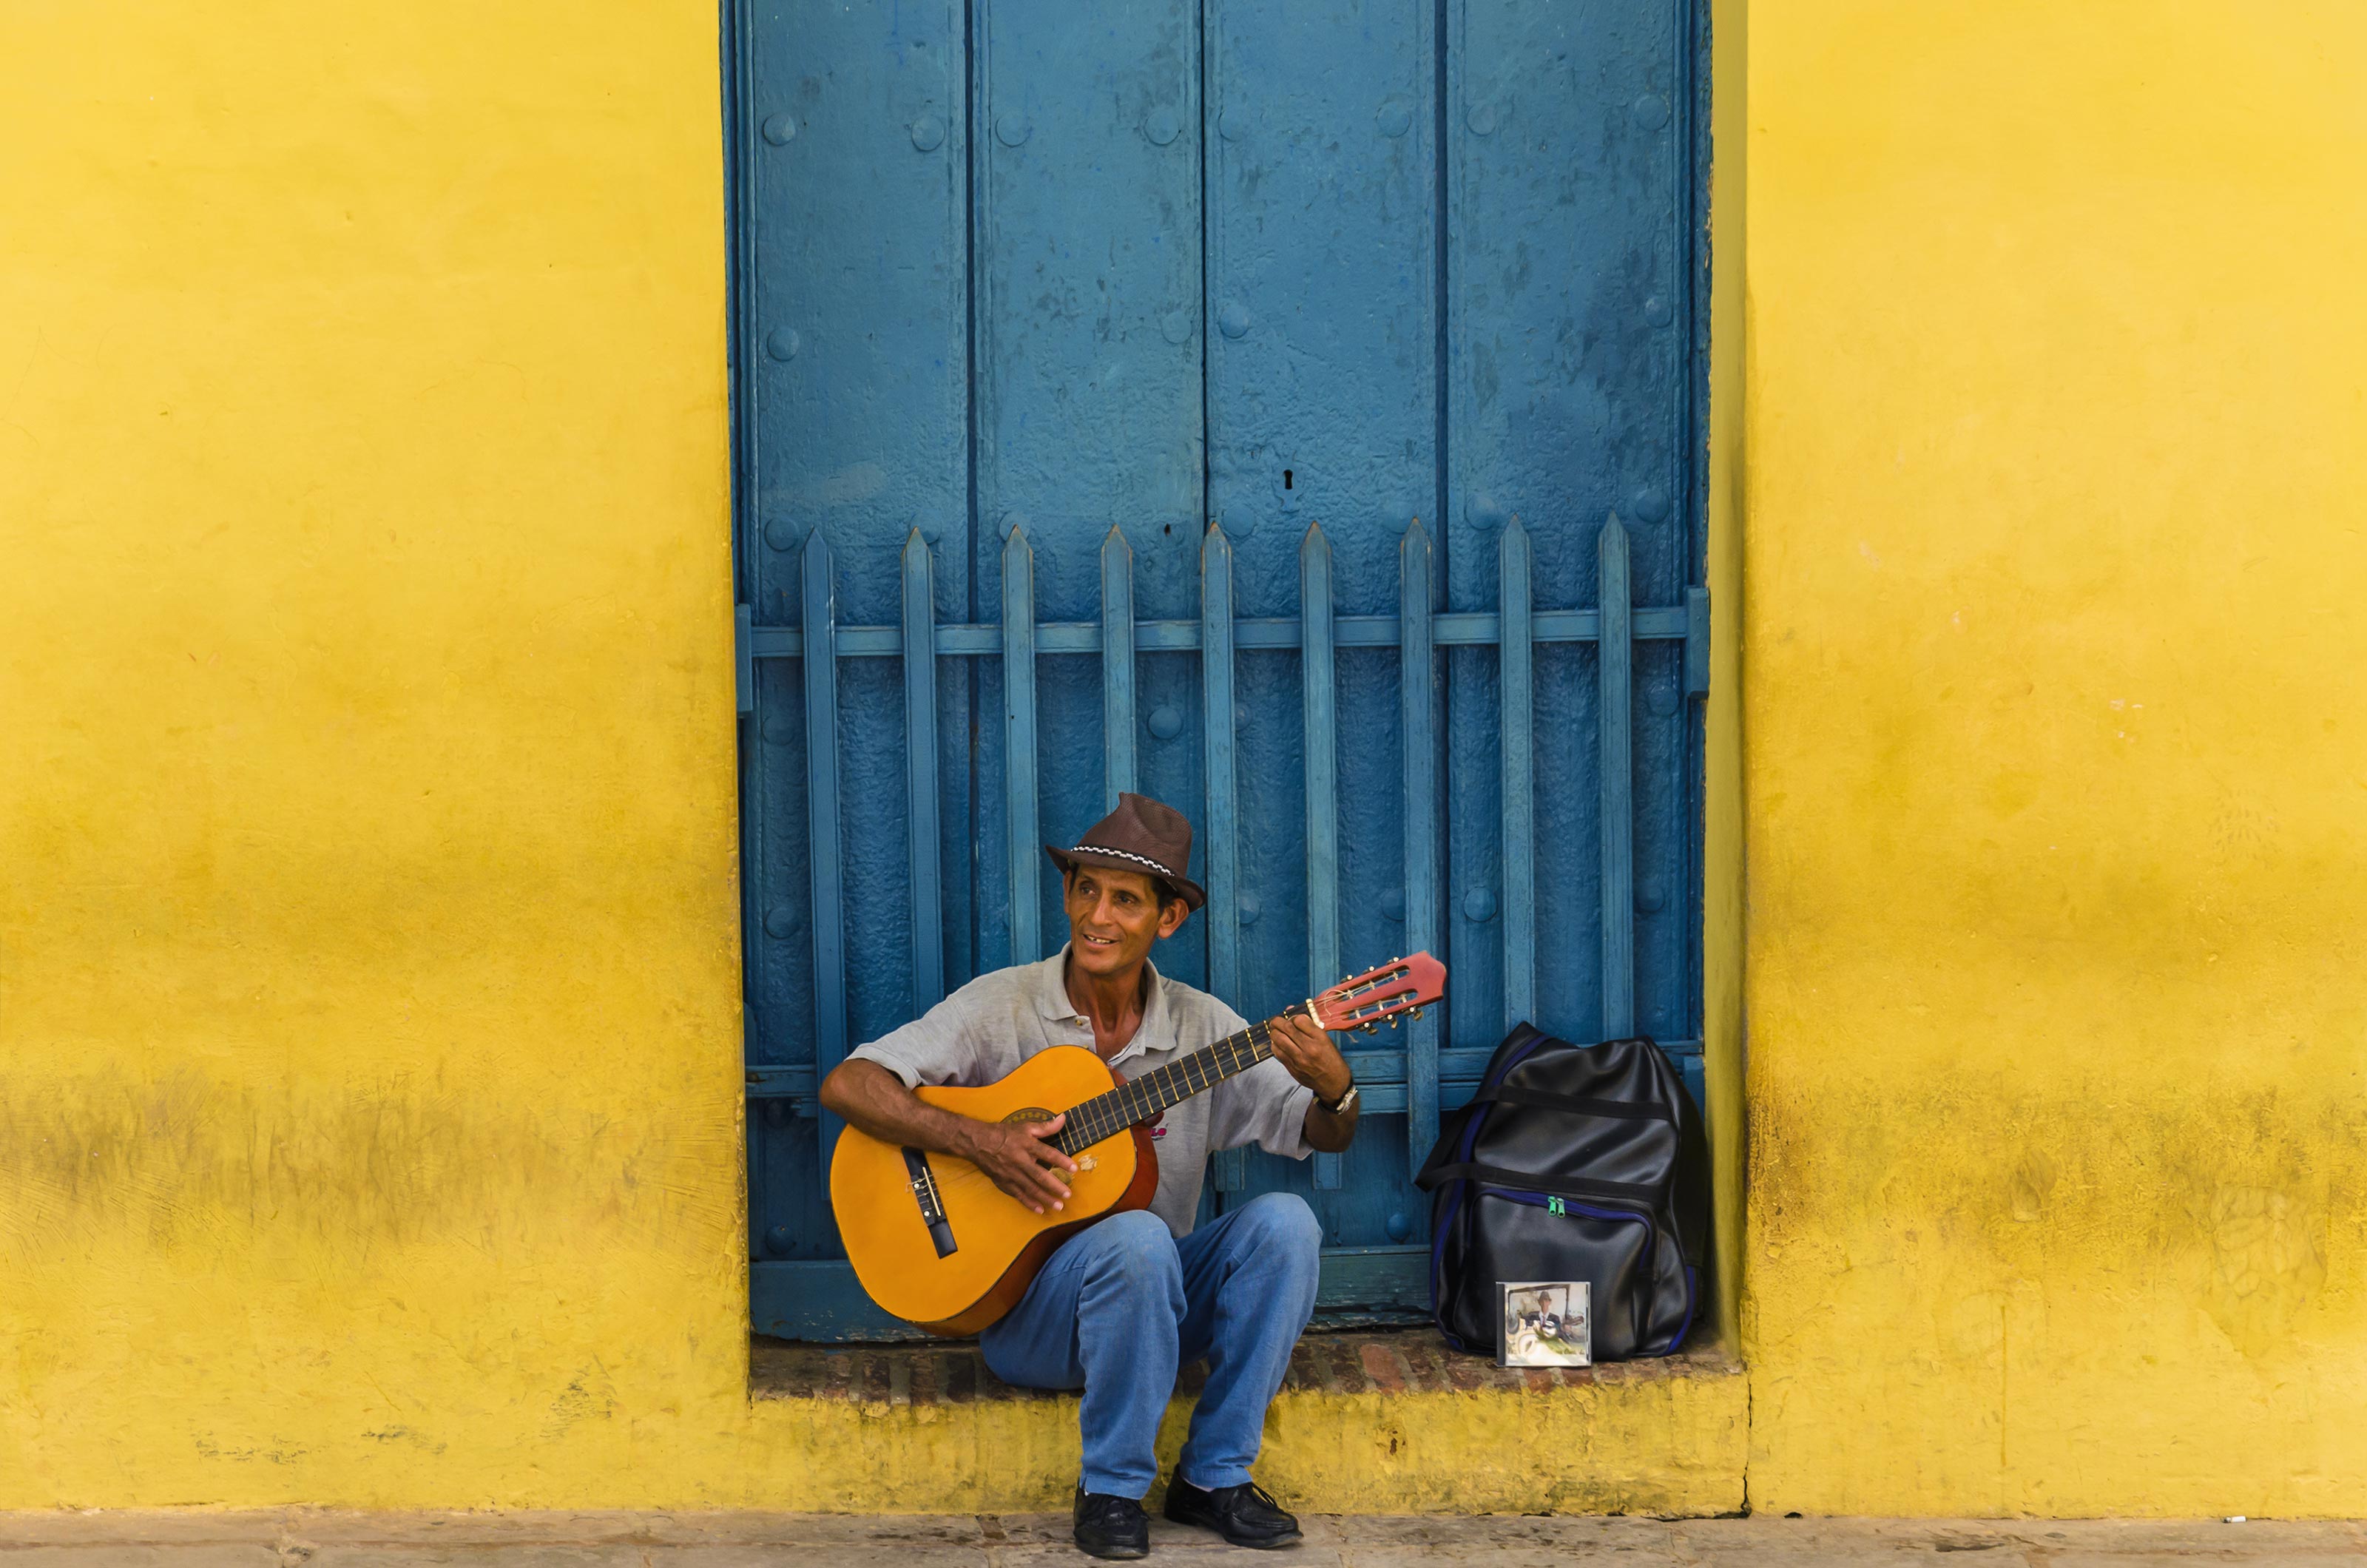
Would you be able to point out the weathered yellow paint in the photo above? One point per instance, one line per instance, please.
(369, 1093)
(369, 1090)
(1639, 1441)
(2056, 772)
(1722, 807)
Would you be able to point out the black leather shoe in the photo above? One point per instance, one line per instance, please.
(1246, 1514)
(1114, 1528)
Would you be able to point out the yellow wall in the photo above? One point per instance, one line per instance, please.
(1722, 1054)
(2056, 761)
(370, 1107)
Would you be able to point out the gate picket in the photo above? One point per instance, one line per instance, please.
(1615, 667)
(1019, 749)
(821, 625)
(1418, 663)
(1222, 830)
(921, 773)
(1322, 762)
(1514, 657)
(1117, 667)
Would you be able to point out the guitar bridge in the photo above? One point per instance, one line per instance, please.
(933, 1208)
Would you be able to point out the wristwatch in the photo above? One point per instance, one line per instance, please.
(1341, 1106)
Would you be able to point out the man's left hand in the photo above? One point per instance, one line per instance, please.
(1302, 1048)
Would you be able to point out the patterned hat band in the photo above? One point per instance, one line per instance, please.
(1125, 855)
(1163, 834)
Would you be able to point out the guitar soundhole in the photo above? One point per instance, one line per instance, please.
(1032, 1113)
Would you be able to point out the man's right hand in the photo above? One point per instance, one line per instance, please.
(1017, 1157)
(1014, 1154)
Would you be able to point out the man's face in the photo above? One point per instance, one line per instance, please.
(1113, 917)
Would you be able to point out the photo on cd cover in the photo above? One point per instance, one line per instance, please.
(1546, 1323)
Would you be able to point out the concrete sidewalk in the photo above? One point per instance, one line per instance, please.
(284, 1539)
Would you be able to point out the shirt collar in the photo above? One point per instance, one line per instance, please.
(1052, 1002)
(1051, 994)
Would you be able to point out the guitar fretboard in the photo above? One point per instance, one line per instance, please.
(1140, 1100)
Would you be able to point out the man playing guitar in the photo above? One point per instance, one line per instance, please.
(1121, 1305)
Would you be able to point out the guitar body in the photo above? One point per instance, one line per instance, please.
(998, 1244)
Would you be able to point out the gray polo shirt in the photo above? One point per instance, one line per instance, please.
(998, 1020)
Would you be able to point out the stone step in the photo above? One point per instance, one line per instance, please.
(1366, 1422)
(1390, 1362)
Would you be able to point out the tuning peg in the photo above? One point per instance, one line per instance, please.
(1364, 1029)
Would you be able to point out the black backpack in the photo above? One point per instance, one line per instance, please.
(1572, 1162)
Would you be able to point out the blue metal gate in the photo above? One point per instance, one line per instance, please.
(1289, 409)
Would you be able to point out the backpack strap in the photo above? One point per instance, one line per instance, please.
(1566, 1187)
(1544, 1100)
(1450, 1133)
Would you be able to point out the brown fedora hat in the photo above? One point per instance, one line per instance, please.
(1141, 835)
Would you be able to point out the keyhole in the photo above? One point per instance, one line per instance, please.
(1285, 478)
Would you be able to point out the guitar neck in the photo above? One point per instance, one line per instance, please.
(1140, 1100)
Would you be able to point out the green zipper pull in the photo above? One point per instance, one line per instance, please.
(1553, 1206)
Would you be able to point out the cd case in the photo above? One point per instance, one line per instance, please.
(1544, 1323)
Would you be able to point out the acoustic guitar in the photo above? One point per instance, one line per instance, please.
(937, 1243)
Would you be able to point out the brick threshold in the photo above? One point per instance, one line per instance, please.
(1384, 1362)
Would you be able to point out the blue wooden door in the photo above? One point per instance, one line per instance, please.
(1289, 409)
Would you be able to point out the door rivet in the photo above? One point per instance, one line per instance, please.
(783, 342)
(928, 134)
(780, 128)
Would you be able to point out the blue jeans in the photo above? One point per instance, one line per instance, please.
(1120, 1306)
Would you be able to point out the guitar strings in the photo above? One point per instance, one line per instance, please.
(1139, 1100)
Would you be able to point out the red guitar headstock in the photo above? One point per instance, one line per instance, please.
(1400, 986)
